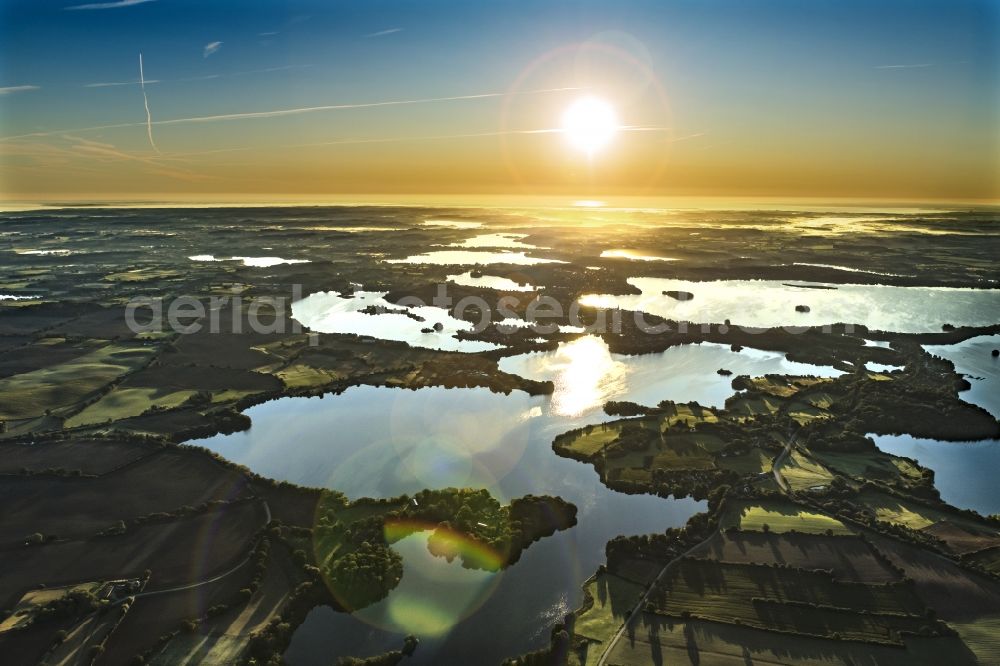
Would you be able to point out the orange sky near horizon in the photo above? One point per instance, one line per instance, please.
(764, 98)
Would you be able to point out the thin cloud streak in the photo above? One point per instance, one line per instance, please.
(289, 112)
(114, 84)
(95, 153)
(94, 149)
(205, 77)
(922, 65)
(145, 101)
(211, 48)
(432, 137)
(474, 135)
(383, 33)
(10, 90)
(339, 107)
(109, 5)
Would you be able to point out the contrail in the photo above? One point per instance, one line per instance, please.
(339, 107)
(432, 137)
(476, 135)
(287, 112)
(145, 101)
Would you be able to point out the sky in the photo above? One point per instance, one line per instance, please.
(303, 99)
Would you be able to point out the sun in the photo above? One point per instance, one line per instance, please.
(589, 124)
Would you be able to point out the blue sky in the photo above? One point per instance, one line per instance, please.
(886, 82)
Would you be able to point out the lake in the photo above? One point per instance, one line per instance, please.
(769, 303)
(382, 442)
(472, 258)
(586, 374)
(973, 358)
(331, 312)
(489, 281)
(963, 471)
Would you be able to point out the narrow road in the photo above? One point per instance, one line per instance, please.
(780, 460)
(207, 581)
(641, 604)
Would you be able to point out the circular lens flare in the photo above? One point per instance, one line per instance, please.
(589, 124)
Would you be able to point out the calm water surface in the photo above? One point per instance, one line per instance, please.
(381, 442)
(489, 281)
(973, 358)
(330, 312)
(964, 472)
(586, 374)
(472, 258)
(768, 303)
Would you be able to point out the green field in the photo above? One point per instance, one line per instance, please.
(780, 517)
(901, 512)
(746, 406)
(611, 600)
(981, 635)
(802, 473)
(121, 403)
(709, 443)
(299, 375)
(869, 465)
(754, 461)
(30, 394)
(590, 440)
(688, 414)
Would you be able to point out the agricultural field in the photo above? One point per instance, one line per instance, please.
(870, 465)
(89, 457)
(705, 643)
(152, 617)
(72, 507)
(608, 601)
(981, 637)
(672, 413)
(121, 403)
(33, 394)
(590, 441)
(955, 593)
(751, 463)
(34, 601)
(803, 473)
(780, 517)
(800, 601)
(899, 511)
(800, 539)
(848, 557)
(988, 559)
(964, 536)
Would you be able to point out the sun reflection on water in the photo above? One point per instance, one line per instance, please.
(585, 376)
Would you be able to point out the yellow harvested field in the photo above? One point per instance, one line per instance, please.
(25, 609)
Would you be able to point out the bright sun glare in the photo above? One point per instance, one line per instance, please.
(589, 124)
